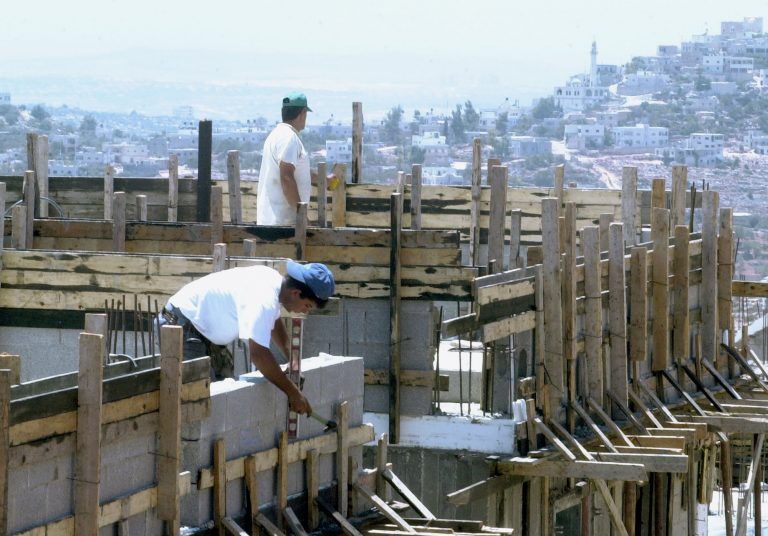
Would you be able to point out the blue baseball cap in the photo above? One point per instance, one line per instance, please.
(296, 99)
(316, 276)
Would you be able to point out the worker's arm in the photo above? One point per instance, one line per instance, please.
(267, 365)
(288, 183)
(280, 338)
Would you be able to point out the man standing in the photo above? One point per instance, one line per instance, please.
(285, 178)
(245, 303)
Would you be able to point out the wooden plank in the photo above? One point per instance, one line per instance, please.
(741, 519)
(219, 485)
(660, 236)
(593, 426)
(169, 421)
(385, 509)
(234, 528)
(233, 180)
(282, 478)
(322, 194)
(732, 424)
(474, 217)
(396, 220)
(498, 213)
(109, 190)
(593, 323)
(300, 236)
(608, 422)
(617, 313)
(269, 527)
(749, 289)
(552, 306)
(357, 142)
(416, 197)
(482, 489)
(11, 363)
(653, 463)
(118, 223)
(679, 187)
(407, 494)
(572, 469)
(345, 525)
(216, 214)
(19, 227)
(559, 446)
(141, 207)
(5, 405)
(410, 378)
(680, 283)
(629, 212)
(569, 306)
(559, 186)
(88, 453)
(173, 187)
(342, 457)
(293, 522)
(252, 487)
(313, 515)
(30, 195)
(638, 317)
(339, 216)
(708, 296)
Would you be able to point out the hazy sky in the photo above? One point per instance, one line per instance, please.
(413, 50)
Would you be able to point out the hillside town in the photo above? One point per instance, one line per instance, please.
(702, 103)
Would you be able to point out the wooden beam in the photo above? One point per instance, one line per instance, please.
(357, 142)
(345, 525)
(322, 194)
(396, 215)
(552, 306)
(407, 494)
(660, 234)
(293, 522)
(483, 489)
(234, 528)
(269, 527)
(219, 485)
(596, 429)
(339, 215)
(118, 222)
(617, 321)
(169, 424)
(474, 216)
(708, 293)
(173, 187)
(572, 469)
(680, 282)
(252, 488)
(732, 424)
(385, 509)
(216, 212)
(741, 520)
(282, 478)
(109, 190)
(497, 217)
(608, 422)
(416, 197)
(342, 457)
(5, 406)
(653, 463)
(233, 181)
(204, 155)
(629, 212)
(313, 515)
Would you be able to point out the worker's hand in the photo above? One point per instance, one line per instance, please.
(299, 403)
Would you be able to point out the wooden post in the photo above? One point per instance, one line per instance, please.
(169, 426)
(173, 187)
(219, 257)
(141, 207)
(5, 425)
(474, 209)
(709, 341)
(489, 166)
(88, 452)
(396, 220)
(342, 457)
(251, 483)
(204, 155)
(724, 278)
(109, 191)
(33, 159)
(40, 167)
(679, 187)
(382, 489)
(726, 469)
(30, 189)
(658, 193)
(416, 197)
(233, 181)
(300, 235)
(97, 324)
(515, 232)
(630, 502)
(553, 319)
(249, 247)
(216, 215)
(629, 204)
(660, 236)
(322, 194)
(219, 485)
(2, 222)
(118, 221)
(605, 222)
(498, 215)
(282, 478)
(593, 336)
(638, 323)
(357, 142)
(560, 186)
(340, 196)
(680, 338)
(19, 227)
(12, 363)
(569, 306)
(313, 514)
(617, 305)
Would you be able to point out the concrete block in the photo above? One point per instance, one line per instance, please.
(296, 481)
(241, 410)
(120, 450)
(42, 473)
(413, 400)
(376, 354)
(59, 498)
(24, 509)
(235, 494)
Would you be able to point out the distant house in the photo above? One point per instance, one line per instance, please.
(338, 151)
(757, 140)
(640, 136)
(583, 91)
(436, 150)
(524, 146)
(583, 137)
(643, 82)
(699, 150)
(5, 98)
(744, 28)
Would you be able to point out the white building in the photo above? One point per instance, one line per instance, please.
(757, 141)
(583, 91)
(699, 150)
(584, 136)
(744, 28)
(436, 150)
(5, 98)
(338, 151)
(524, 146)
(641, 136)
(126, 153)
(643, 82)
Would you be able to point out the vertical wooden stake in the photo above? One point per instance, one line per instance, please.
(173, 187)
(396, 219)
(638, 323)
(30, 188)
(300, 234)
(313, 513)
(617, 305)
(709, 344)
(97, 324)
(219, 485)
(342, 458)
(88, 453)
(219, 257)
(629, 204)
(382, 489)
(340, 196)
(498, 215)
(630, 502)
(680, 338)
(19, 227)
(204, 156)
(515, 232)
(416, 197)
(233, 182)
(569, 306)
(726, 469)
(474, 214)
(141, 207)
(322, 194)
(593, 336)
(249, 247)
(12, 363)
(118, 222)
(41, 173)
(658, 193)
(109, 191)
(217, 215)
(560, 186)
(282, 478)
(357, 142)
(724, 277)
(679, 187)
(169, 426)
(2, 223)
(605, 222)
(553, 314)
(660, 235)
(5, 425)
(33, 160)
(251, 483)
(539, 345)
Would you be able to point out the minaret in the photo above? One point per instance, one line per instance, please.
(593, 66)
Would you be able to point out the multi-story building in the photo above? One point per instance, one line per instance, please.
(436, 150)
(583, 91)
(640, 136)
(643, 82)
(584, 136)
(338, 151)
(699, 150)
(5, 98)
(524, 146)
(744, 28)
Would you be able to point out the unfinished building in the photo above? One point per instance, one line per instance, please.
(613, 395)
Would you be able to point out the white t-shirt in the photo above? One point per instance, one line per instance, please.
(282, 144)
(236, 303)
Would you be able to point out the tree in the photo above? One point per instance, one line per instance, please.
(471, 117)
(39, 113)
(88, 125)
(457, 125)
(545, 108)
(502, 123)
(392, 133)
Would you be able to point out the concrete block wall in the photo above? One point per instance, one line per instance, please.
(362, 329)
(248, 414)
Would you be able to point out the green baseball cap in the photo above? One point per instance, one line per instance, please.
(296, 99)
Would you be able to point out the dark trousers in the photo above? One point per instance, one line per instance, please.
(197, 345)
